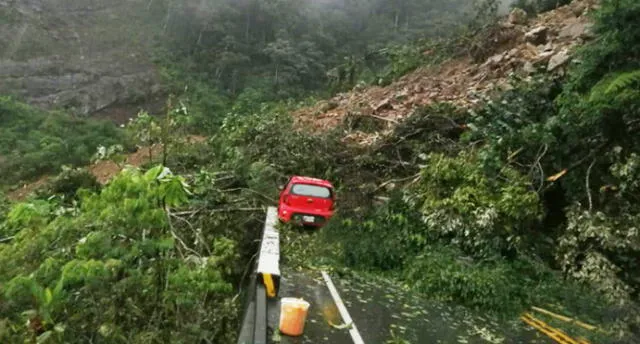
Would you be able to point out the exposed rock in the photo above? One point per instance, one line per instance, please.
(518, 16)
(545, 48)
(529, 68)
(77, 55)
(543, 57)
(466, 83)
(328, 105)
(578, 7)
(537, 36)
(576, 29)
(559, 60)
(402, 94)
(383, 105)
(495, 60)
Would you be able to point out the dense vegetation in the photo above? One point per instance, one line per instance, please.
(33, 142)
(282, 47)
(535, 203)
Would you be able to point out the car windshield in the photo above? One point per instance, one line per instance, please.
(311, 190)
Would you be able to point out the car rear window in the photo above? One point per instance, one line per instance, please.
(311, 190)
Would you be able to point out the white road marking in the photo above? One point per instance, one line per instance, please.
(355, 335)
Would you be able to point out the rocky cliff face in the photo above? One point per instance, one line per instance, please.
(83, 55)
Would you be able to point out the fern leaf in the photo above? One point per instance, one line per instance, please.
(623, 81)
(614, 83)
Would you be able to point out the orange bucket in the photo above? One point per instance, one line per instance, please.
(293, 315)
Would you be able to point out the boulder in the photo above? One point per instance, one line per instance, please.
(558, 60)
(494, 60)
(383, 105)
(402, 94)
(518, 16)
(546, 47)
(543, 57)
(529, 68)
(578, 7)
(576, 29)
(537, 35)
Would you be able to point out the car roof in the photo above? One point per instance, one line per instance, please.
(310, 180)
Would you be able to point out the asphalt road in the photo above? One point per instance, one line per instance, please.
(387, 314)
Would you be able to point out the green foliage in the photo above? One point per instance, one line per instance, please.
(169, 132)
(482, 213)
(445, 274)
(4, 206)
(117, 269)
(268, 138)
(285, 48)
(68, 183)
(615, 85)
(393, 224)
(26, 215)
(616, 49)
(33, 142)
(606, 241)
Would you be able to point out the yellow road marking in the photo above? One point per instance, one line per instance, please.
(551, 332)
(564, 318)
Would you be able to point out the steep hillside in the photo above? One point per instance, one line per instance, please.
(521, 47)
(82, 55)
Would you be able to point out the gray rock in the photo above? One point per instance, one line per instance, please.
(69, 56)
(558, 60)
(518, 16)
(578, 7)
(529, 68)
(543, 57)
(495, 60)
(576, 29)
(537, 35)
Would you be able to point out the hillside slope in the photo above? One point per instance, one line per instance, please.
(521, 47)
(83, 55)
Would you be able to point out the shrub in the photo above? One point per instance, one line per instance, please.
(117, 268)
(69, 182)
(33, 142)
(383, 239)
(482, 213)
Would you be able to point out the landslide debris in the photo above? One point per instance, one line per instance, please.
(544, 43)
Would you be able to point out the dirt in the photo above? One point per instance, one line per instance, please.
(460, 81)
(27, 189)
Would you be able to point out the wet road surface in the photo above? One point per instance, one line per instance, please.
(387, 314)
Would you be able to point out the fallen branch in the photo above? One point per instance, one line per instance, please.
(183, 213)
(539, 166)
(230, 210)
(197, 234)
(252, 191)
(398, 180)
(587, 184)
(7, 239)
(384, 119)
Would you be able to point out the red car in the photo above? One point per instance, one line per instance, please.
(307, 201)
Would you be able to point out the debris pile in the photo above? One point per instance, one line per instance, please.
(544, 43)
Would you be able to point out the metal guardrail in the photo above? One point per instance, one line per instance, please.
(265, 283)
